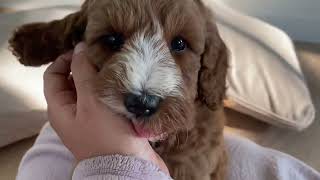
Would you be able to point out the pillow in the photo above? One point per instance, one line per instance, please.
(265, 78)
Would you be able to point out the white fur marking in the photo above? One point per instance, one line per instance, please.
(150, 66)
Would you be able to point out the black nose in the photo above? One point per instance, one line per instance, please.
(143, 105)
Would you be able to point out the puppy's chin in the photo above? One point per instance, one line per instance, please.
(174, 115)
(143, 132)
(141, 127)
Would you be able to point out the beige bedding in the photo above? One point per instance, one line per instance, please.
(304, 145)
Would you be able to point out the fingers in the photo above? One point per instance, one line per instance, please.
(56, 80)
(83, 71)
(161, 164)
(60, 95)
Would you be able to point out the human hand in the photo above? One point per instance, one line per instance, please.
(86, 126)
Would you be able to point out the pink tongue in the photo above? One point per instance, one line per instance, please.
(142, 132)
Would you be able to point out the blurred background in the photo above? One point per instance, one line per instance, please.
(300, 19)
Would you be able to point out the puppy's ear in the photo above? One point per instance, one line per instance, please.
(214, 65)
(40, 43)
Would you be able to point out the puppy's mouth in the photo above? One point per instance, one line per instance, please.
(143, 132)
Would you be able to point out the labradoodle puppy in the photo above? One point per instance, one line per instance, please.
(161, 63)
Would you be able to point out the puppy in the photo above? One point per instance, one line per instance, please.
(162, 64)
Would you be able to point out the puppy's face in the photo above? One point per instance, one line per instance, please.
(158, 60)
(148, 53)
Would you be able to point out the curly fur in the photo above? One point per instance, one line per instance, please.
(194, 122)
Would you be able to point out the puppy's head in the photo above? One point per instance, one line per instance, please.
(158, 60)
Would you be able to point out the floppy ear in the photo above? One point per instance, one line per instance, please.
(214, 65)
(40, 43)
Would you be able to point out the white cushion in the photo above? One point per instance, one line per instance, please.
(265, 79)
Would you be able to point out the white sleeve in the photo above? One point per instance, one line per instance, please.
(48, 159)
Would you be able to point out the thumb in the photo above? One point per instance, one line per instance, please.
(159, 161)
(83, 71)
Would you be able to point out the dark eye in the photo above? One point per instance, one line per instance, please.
(178, 44)
(113, 41)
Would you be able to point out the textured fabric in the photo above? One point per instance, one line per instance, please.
(118, 167)
(48, 159)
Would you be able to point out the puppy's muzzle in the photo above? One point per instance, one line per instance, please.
(142, 105)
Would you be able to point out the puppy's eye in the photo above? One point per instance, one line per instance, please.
(113, 41)
(178, 44)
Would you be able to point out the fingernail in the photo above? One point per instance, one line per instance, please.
(80, 47)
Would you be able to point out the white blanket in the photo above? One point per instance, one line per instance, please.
(49, 159)
(249, 161)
